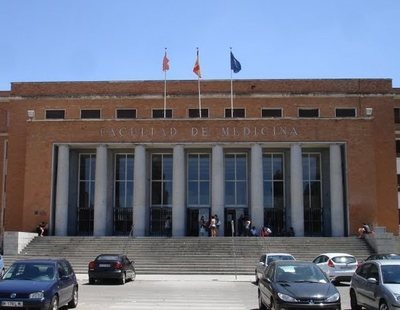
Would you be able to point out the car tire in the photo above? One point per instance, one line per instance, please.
(383, 306)
(92, 281)
(122, 281)
(54, 303)
(133, 276)
(75, 297)
(261, 305)
(353, 301)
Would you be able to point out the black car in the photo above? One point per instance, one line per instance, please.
(40, 284)
(296, 285)
(111, 266)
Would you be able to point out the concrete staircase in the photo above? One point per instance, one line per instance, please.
(188, 255)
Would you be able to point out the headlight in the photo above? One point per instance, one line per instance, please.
(287, 298)
(36, 295)
(333, 298)
(397, 297)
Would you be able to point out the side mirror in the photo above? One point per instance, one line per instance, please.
(372, 280)
(261, 263)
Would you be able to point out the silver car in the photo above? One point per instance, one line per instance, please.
(376, 285)
(337, 266)
(268, 258)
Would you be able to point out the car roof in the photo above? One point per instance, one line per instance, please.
(292, 262)
(384, 261)
(270, 254)
(40, 260)
(332, 254)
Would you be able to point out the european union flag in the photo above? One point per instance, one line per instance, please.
(235, 64)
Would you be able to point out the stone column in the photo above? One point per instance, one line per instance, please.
(139, 192)
(296, 187)
(62, 191)
(217, 185)
(100, 199)
(178, 192)
(257, 192)
(336, 180)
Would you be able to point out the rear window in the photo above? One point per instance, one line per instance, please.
(107, 257)
(344, 259)
(279, 257)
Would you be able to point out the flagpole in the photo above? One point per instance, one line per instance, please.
(231, 90)
(198, 84)
(165, 90)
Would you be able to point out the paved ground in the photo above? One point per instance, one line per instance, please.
(177, 292)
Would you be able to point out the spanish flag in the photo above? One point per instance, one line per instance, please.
(196, 68)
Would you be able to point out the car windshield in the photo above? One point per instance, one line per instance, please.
(344, 259)
(391, 274)
(30, 271)
(278, 257)
(108, 257)
(300, 273)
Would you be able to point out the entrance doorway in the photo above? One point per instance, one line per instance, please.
(193, 220)
(159, 217)
(235, 215)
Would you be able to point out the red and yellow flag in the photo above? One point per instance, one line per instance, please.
(165, 63)
(196, 68)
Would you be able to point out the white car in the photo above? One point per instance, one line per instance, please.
(337, 266)
(266, 259)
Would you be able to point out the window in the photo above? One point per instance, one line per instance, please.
(55, 114)
(236, 180)
(345, 112)
(198, 169)
(195, 113)
(398, 148)
(236, 112)
(271, 113)
(90, 114)
(273, 178)
(161, 179)
(123, 180)
(126, 113)
(397, 115)
(159, 113)
(87, 172)
(308, 112)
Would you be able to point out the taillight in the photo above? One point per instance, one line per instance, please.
(330, 263)
(92, 265)
(117, 265)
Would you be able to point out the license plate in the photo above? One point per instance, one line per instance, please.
(12, 304)
(346, 267)
(104, 265)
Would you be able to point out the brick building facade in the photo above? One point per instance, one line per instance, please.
(97, 158)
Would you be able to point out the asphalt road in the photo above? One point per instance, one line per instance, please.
(177, 292)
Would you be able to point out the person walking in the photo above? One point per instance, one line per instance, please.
(213, 227)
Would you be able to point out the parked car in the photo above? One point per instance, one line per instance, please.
(376, 285)
(2, 269)
(39, 283)
(296, 285)
(111, 266)
(383, 256)
(268, 258)
(338, 266)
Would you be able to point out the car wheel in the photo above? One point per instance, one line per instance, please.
(261, 305)
(54, 303)
(74, 301)
(383, 306)
(92, 281)
(133, 275)
(353, 301)
(123, 279)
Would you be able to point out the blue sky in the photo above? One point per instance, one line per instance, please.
(101, 40)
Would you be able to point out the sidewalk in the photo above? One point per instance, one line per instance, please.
(184, 277)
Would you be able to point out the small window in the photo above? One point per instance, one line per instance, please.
(195, 113)
(397, 148)
(345, 112)
(55, 114)
(236, 112)
(271, 112)
(308, 113)
(90, 114)
(159, 113)
(126, 113)
(397, 115)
